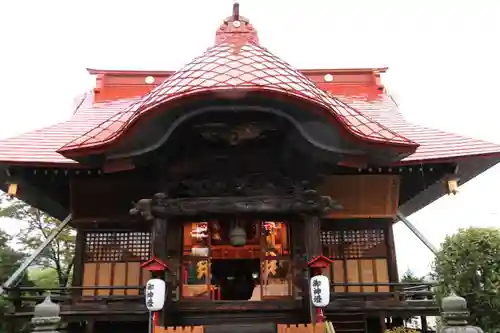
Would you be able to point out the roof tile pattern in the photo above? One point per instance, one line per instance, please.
(237, 63)
(40, 147)
(434, 144)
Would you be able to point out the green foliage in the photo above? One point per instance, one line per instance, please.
(9, 260)
(401, 330)
(44, 277)
(469, 263)
(409, 276)
(3, 308)
(38, 226)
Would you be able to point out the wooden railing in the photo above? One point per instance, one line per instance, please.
(404, 295)
(409, 296)
(403, 290)
(22, 297)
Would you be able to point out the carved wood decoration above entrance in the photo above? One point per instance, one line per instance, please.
(252, 194)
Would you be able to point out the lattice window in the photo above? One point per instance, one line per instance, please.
(116, 246)
(353, 244)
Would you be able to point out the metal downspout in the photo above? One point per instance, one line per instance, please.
(28, 261)
(417, 233)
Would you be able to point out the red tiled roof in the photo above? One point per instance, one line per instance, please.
(434, 144)
(235, 63)
(253, 67)
(40, 147)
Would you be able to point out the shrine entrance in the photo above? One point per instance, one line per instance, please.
(236, 278)
(245, 260)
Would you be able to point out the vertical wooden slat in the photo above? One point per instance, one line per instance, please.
(375, 274)
(89, 278)
(382, 273)
(360, 273)
(133, 277)
(120, 277)
(112, 278)
(367, 274)
(353, 275)
(104, 278)
(339, 275)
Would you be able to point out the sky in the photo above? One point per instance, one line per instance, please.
(443, 60)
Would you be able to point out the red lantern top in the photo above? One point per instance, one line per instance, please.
(319, 262)
(154, 265)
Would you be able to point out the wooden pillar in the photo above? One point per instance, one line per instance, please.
(173, 252)
(159, 233)
(312, 229)
(159, 238)
(79, 257)
(391, 253)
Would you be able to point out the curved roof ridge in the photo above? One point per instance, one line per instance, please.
(252, 67)
(237, 61)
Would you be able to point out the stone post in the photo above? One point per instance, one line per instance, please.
(46, 318)
(455, 314)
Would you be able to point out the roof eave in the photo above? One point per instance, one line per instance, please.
(468, 168)
(34, 197)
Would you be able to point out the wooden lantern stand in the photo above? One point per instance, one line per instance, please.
(316, 266)
(157, 268)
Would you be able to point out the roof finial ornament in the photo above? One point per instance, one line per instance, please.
(236, 29)
(236, 11)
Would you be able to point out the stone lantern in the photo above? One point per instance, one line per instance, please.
(455, 314)
(46, 317)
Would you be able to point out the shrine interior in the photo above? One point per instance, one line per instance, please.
(227, 259)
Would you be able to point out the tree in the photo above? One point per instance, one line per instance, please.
(410, 277)
(58, 255)
(45, 278)
(469, 264)
(9, 260)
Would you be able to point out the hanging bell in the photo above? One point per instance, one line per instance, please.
(237, 236)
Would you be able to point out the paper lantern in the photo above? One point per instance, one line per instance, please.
(320, 291)
(155, 294)
(237, 236)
